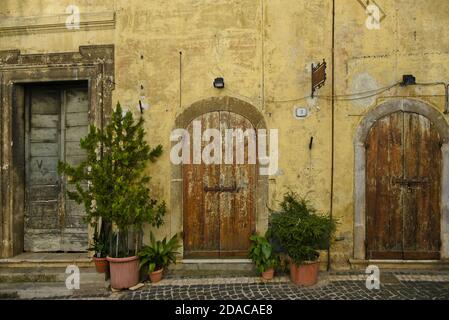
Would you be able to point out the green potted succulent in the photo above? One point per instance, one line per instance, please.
(300, 231)
(117, 159)
(263, 256)
(158, 255)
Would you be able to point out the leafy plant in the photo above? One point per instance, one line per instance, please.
(100, 245)
(299, 230)
(262, 253)
(117, 191)
(159, 254)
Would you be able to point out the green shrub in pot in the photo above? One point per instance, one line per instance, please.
(113, 185)
(300, 231)
(100, 244)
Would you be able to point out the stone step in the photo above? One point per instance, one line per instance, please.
(38, 274)
(435, 265)
(42, 290)
(211, 268)
(213, 264)
(47, 260)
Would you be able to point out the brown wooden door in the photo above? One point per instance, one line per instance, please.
(56, 119)
(403, 180)
(219, 206)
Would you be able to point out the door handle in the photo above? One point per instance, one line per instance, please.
(232, 189)
(410, 182)
(229, 189)
(211, 189)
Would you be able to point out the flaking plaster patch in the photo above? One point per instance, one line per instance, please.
(312, 103)
(364, 82)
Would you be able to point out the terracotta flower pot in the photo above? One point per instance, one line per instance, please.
(101, 264)
(268, 274)
(156, 276)
(305, 274)
(124, 272)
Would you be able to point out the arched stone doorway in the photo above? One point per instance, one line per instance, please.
(407, 176)
(239, 208)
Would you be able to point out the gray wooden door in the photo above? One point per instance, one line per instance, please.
(56, 119)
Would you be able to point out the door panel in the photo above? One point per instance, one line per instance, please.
(384, 195)
(52, 223)
(403, 188)
(201, 207)
(74, 234)
(422, 167)
(236, 206)
(218, 198)
(42, 223)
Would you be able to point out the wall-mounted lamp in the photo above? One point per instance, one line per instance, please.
(219, 83)
(408, 80)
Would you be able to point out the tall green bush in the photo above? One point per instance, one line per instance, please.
(299, 230)
(117, 186)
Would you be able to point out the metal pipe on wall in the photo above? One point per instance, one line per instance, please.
(446, 95)
(333, 130)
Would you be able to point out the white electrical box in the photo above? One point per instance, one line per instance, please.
(301, 113)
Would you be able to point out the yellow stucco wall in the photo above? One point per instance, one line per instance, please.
(264, 50)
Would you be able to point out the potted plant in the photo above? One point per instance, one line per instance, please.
(300, 231)
(263, 256)
(117, 192)
(100, 246)
(158, 255)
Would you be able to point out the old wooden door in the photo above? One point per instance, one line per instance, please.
(403, 178)
(56, 119)
(219, 206)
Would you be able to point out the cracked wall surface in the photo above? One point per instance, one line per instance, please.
(264, 50)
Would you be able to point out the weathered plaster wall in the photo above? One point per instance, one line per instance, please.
(264, 50)
(412, 39)
(263, 61)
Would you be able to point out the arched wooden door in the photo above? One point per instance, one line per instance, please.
(403, 181)
(219, 206)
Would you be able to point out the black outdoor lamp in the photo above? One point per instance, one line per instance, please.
(408, 80)
(219, 83)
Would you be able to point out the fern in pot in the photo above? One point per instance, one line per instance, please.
(300, 231)
(158, 255)
(118, 192)
(262, 254)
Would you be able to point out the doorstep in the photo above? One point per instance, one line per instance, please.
(212, 267)
(216, 261)
(47, 260)
(37, 273)
(360, 264)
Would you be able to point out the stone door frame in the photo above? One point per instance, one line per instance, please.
(197, 109)
(94, 64)
(384, 109)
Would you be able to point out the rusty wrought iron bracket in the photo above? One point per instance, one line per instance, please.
(318, 76)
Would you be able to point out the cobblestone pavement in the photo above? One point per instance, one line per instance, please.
(394, 286)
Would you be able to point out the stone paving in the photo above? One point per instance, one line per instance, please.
(400, 286)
